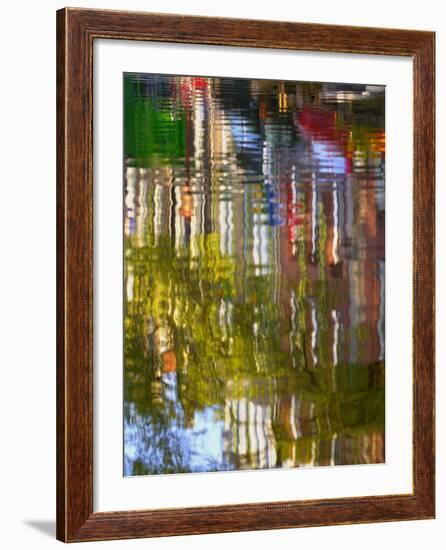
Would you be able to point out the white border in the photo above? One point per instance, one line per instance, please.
(111, 490)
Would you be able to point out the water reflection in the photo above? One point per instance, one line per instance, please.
(254, 274)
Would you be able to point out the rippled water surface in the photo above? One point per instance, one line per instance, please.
(254, 274)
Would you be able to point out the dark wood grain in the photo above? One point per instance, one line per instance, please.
(76, 31)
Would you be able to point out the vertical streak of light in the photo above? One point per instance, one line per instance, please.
(230, 224)
(252, 412)
(130, 282)
(256, 255)
(237, 423)
(335, 317)
(211, 141)
(313, 213)
(178, 218)
(171, 206)
(222, 224)
(314, 333)
(144, 203)
(313, 453)
(293, 329)
(335, 224)
(260, 436)
(241, 421)
(294, 203)
(333, 449)
(264, 248)
(349, 206)
(157, 215)
(128, 199)
(276, 255)
(202, 210)
(355, 303)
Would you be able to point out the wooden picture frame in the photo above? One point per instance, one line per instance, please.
(76, 31)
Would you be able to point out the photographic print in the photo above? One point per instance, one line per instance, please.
(254, 268)
(235, 253)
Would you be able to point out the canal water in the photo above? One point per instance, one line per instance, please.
(254, 223)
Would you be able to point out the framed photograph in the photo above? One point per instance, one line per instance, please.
(245, 225)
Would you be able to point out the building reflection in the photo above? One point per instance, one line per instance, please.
(254, 274)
